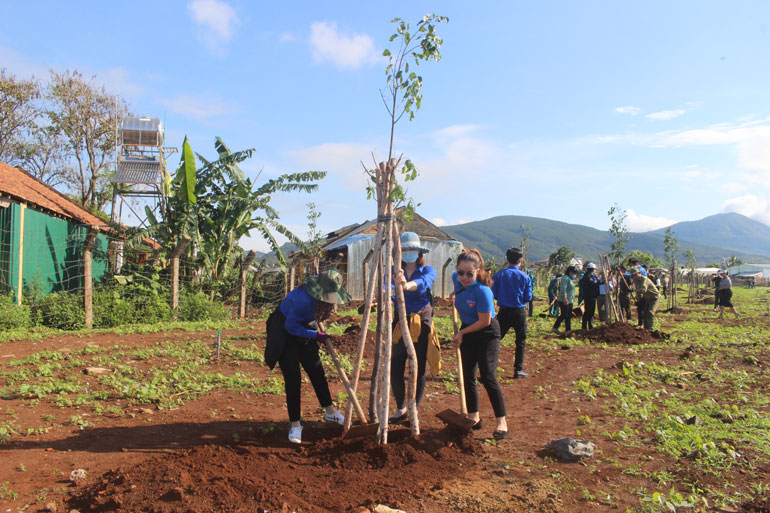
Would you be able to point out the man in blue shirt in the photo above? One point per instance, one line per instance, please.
(512, 289)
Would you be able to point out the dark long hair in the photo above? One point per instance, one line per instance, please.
(474, 257)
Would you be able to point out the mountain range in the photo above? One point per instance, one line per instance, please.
(711, 238)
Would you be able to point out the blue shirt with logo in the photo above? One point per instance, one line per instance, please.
(512, 287)
(472, 300)
(299, 309)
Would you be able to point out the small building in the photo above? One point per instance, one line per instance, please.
(350, 249)
(750, 273)
(42, 234)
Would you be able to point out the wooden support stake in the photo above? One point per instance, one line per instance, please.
(88, 278)
(244, 270)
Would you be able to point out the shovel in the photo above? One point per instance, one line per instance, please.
(458, 421)
(354, 431)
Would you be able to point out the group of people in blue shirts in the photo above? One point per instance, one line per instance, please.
(293, 332)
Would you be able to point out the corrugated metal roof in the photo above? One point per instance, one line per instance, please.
(22, 187)
(347, 241)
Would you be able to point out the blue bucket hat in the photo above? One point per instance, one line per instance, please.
(410, 240)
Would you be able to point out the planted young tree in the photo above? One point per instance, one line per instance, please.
(691, 265)
(524, 245)
(671, 251)
(402, 96)
(312, 247)
(619, 230)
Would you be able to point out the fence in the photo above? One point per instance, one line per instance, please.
(71, 277)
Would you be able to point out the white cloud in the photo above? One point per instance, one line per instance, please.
(217, 22)
(644, 223)
(286, 37)
(343, 51)
(199, 107)
(628, 109)
(439, 221)
(342, 161)
(118, 80)
(750, 206)
(665, 115)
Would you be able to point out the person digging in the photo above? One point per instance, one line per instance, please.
(647, 292)
(292, 340)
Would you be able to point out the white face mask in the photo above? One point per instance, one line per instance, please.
(410, 257)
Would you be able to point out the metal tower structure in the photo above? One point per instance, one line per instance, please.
(141, 168)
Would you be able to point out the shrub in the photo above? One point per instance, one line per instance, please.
(129, 304)
(197, 307)
(13, 316)
(62, 310)
(111, 310)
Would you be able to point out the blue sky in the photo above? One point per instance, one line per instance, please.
(547, 109)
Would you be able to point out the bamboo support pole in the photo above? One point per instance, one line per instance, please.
(406, 337)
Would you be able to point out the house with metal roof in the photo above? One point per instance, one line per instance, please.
(351, 248)
(42, 234)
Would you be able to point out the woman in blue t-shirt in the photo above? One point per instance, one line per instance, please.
(478, 337)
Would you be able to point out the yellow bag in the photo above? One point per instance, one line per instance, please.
(415, 325)
(434, 351)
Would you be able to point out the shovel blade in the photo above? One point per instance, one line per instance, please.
(456, 420)
(361, 431)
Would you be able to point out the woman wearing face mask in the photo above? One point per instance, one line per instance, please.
(417, 279)
(566, 299)
(478, 337)
(293, 337)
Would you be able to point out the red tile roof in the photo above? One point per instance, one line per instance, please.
(22, 187)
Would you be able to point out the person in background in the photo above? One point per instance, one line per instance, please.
(725, 293)
(566, 298)
(716, 279)
(601, 299)
(640, 303)
(625, 286)
(633, 262)
(646, 291)
(417, 279)
(553, 292)
(512, 288)
(478, 337)
(293, 336)
(589, 291)
(528, 272)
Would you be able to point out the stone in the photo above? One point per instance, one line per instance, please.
(78, 475)
(381, 508)
(361, 509)
(569, 449)
(95, 371)
(50, 506)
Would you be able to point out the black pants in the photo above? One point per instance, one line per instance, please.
(725, 297)
(531, 307)
(515, 318)
(565, 314)
(625, 305)
(481, 350)
(641, 308)
(303, 351)
(399, 358)
(588, 315)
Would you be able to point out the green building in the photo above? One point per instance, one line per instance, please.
(41, 237)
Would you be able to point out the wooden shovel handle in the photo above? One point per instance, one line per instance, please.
(344, 378)
(460, 379)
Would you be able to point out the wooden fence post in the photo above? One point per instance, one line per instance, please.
(244, 270)
(178, 250)
(88, 282)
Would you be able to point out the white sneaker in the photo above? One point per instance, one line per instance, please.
(295, 434)
(337, 417)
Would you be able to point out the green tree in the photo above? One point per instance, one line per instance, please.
(645, 258)
(619, 230)
(525, 231)
(403, 94)
(18, 113)
(312, 247)
(734, 260)
(86, 116)
(561, 258)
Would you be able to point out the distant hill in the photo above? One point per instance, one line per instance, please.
(493, 236)
(729, 231)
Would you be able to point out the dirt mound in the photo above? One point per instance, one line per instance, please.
(674, 310)
(704, 301)
(618, 333)
(331, 475)
(348, 341)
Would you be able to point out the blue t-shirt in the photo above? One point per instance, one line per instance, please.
(416, 300)
(299, 308)
(512, 287)
(472, 300)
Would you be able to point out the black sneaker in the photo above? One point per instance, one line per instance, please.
(520, 374)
